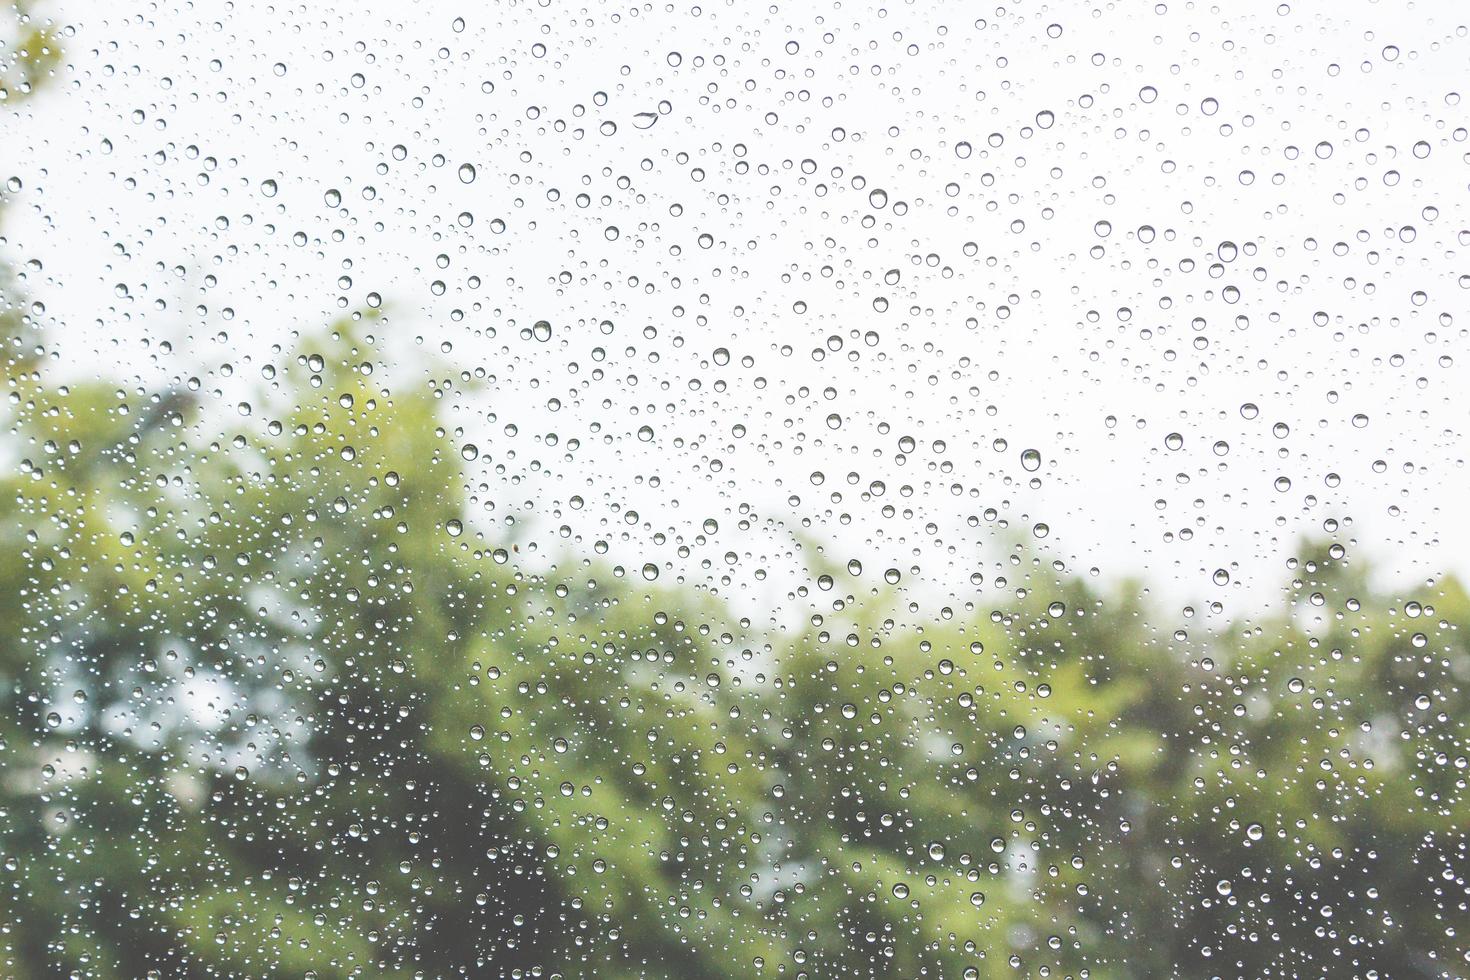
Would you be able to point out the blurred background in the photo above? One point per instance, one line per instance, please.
(773, 565)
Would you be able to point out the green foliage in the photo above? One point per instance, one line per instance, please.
(28, 54)
(275, 705)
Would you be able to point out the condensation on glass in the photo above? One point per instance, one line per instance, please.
(733, 489)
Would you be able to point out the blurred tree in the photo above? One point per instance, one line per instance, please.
(274, 704)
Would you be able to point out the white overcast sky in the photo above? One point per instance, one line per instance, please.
(815, 177)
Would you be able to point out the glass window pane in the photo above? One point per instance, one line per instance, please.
(733, 489)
